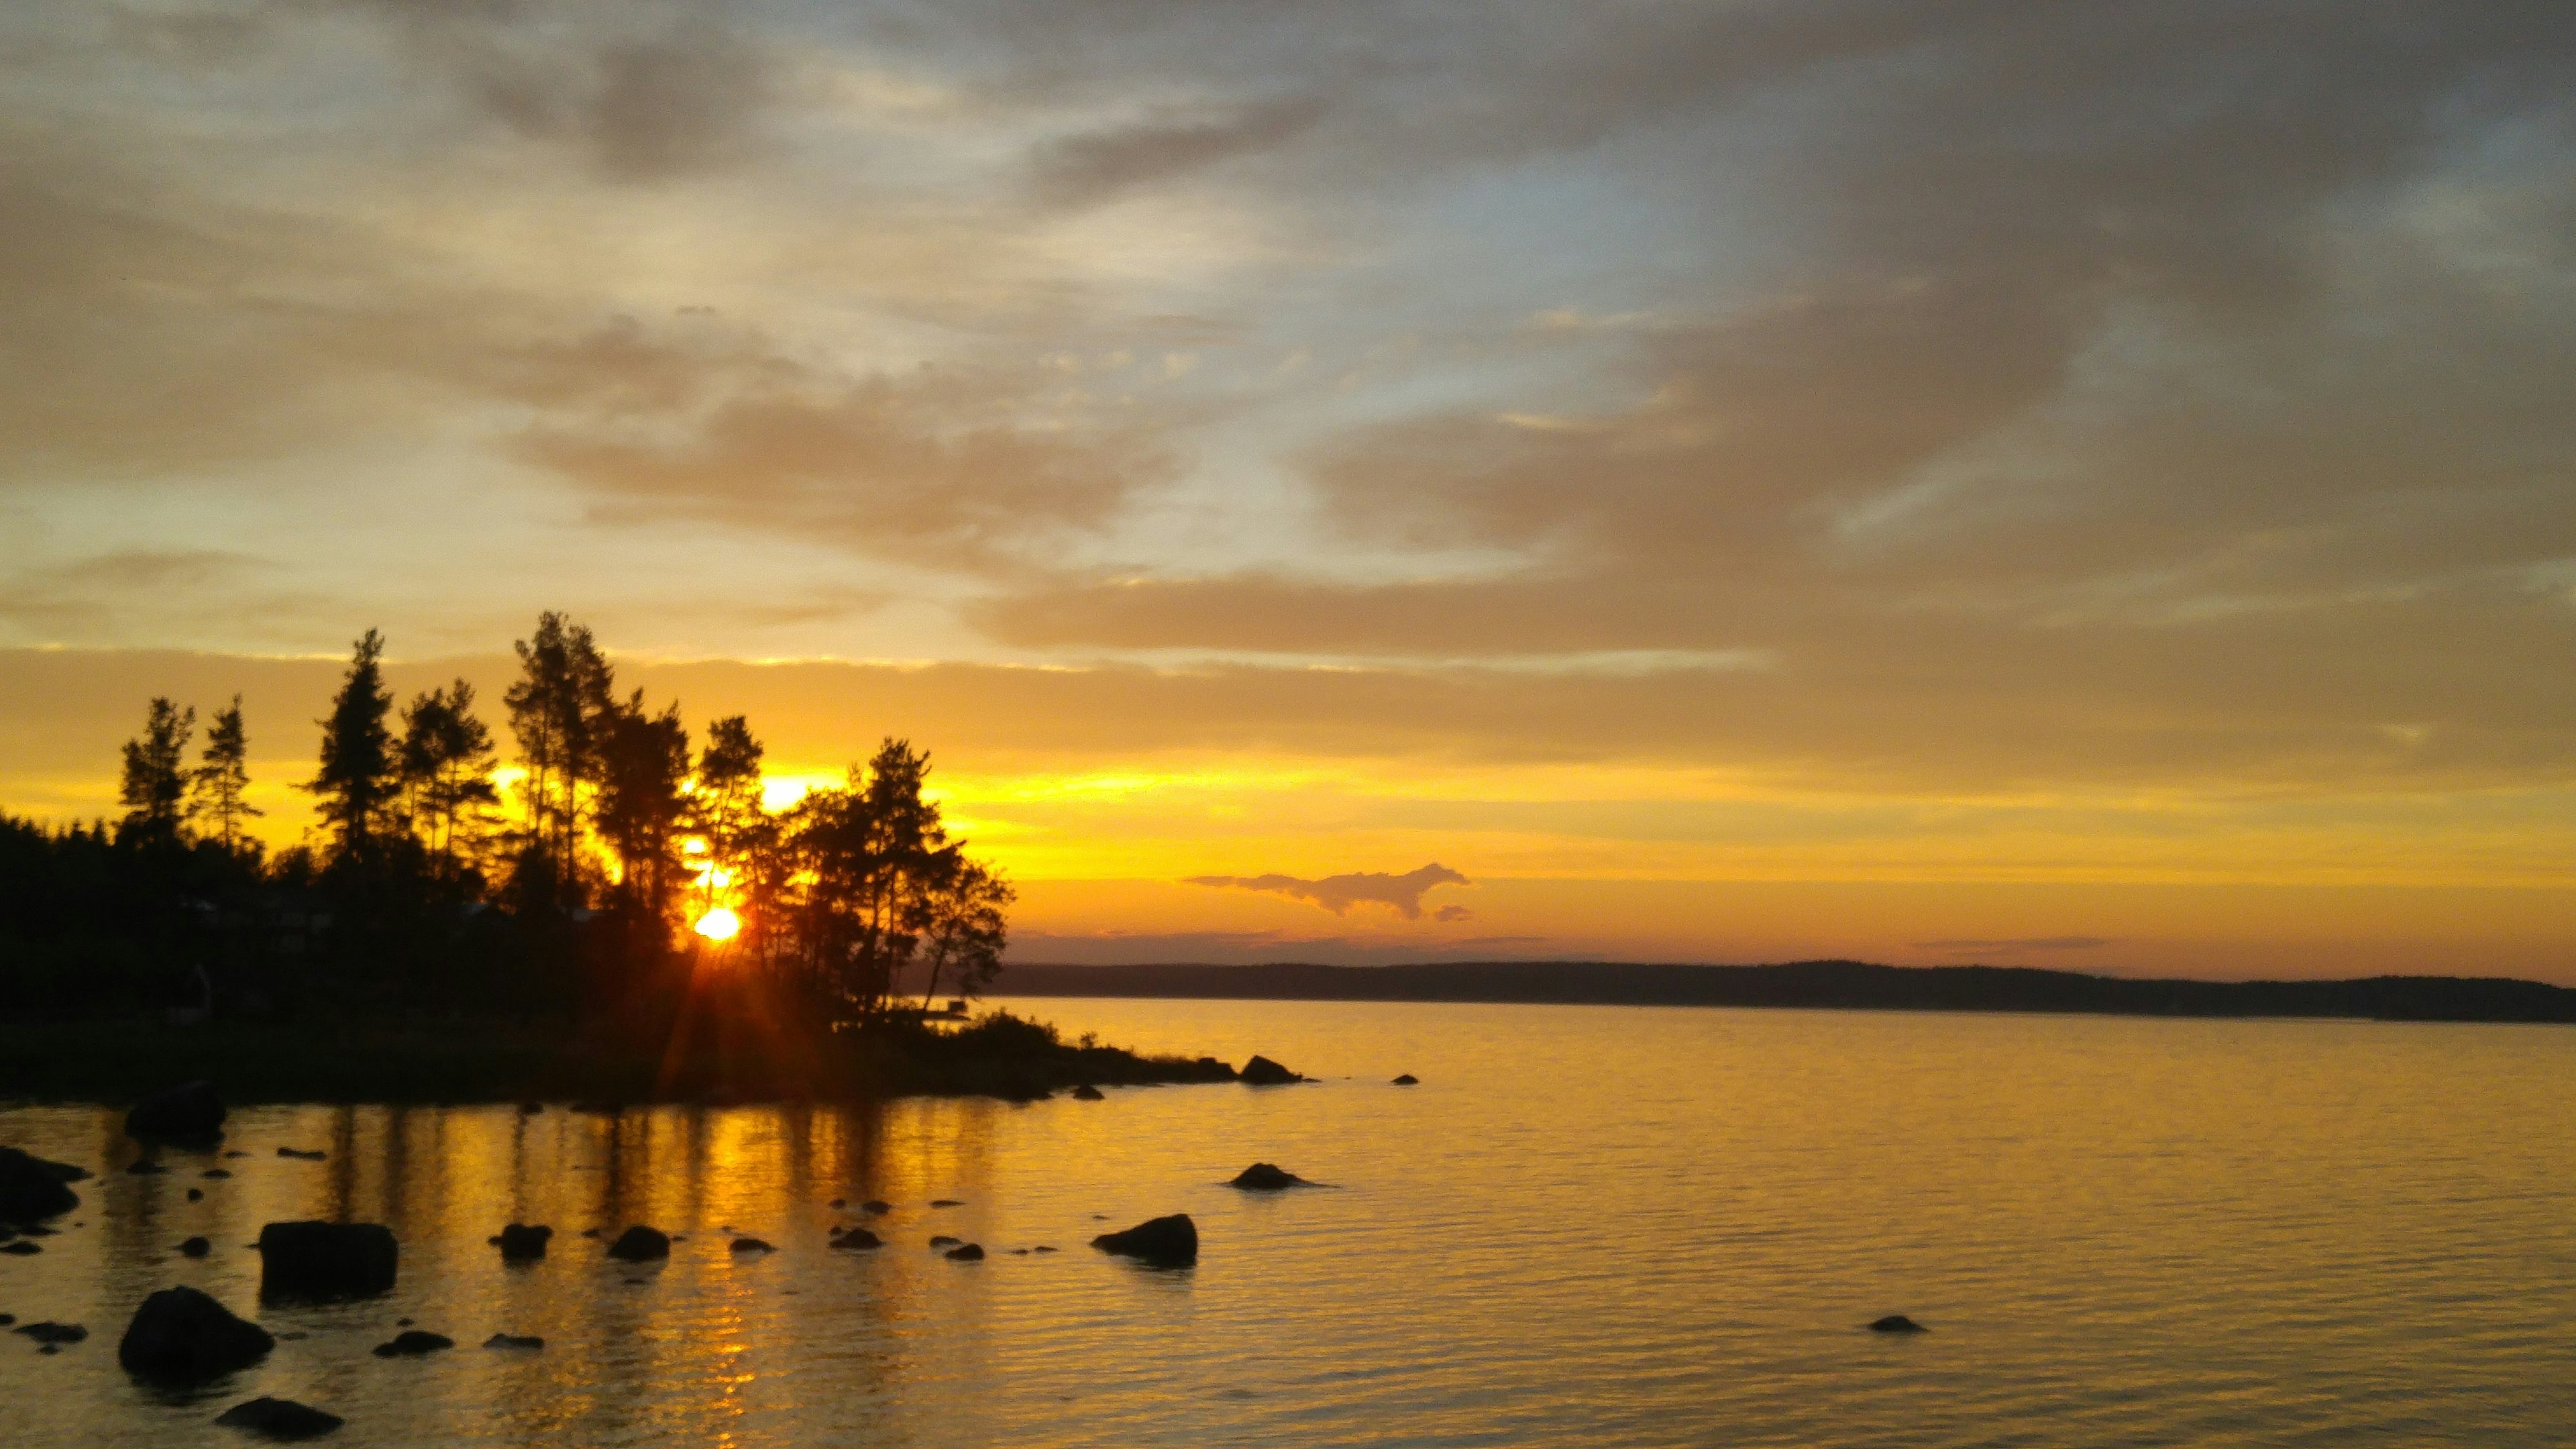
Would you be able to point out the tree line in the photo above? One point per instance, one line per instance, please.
(635, 861)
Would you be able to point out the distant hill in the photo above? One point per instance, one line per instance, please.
(1849, 985)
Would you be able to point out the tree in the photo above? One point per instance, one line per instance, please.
(357, 779)
(966, 928)
(643, 767)
(865, 859)
(557, 709)
(155, 783)
(217, 787)
(446, 763)
(739, 835)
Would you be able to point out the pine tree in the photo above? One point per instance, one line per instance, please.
(155, 782)
(446, 765)
(218, 785)
(558, 708)
(357, 778)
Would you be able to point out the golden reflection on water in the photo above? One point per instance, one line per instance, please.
(1584, 1227)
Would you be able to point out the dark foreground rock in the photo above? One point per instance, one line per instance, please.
(524, 1242)
(412, 1343)
(182, 1336)
(188, 1112)
(967, 1253)
(640, 1244)
(1408, 1080)
(514, 1340)
(32, 1188)
(1897, 1323)
(279, 1419)
(49, 1333)
(857, 1238)
(195, 1248)
(1263, 1072)
(321, 1261)
(1267, 1177)
(751, 1245)
(1171, 1242)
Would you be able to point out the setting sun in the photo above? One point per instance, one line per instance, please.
(719, 924)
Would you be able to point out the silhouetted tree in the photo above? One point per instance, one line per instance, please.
(643, 767)
(155, 783)
(739, 835)
(446, 762)
(966, 928)
(865, 859)
(357, 780)
(557, 709)
(217, 787)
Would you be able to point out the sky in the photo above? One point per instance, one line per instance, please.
(2034, 481)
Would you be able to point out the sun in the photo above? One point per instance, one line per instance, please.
(719, 924)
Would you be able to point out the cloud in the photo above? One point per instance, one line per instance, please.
(1450, 913)
(1338, 893)
(1095, 165)
(2020, 943)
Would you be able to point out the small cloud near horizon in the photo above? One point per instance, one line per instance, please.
(1338, 893)
(2019, 943)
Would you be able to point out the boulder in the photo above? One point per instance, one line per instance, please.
(945, 1240)
(640, 1244)
(1408, 1080)
(1897, 1323)
(412, 1343)
(1267, 1177)
(316, 1260)
(49, 1333)
(182, 1336)
(857, 1238)
(279, 1419)
(32, 1188)
(1263, 1072)
(188, 1112)
(523, 1242)
(514, 1340)
(876, 1205)
(195, 1248)
(1170, 1242)
(1087, 1093)
(967, 1253)
(751, 1245)
(21, 1248)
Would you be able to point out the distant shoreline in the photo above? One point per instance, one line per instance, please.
(1843, 985)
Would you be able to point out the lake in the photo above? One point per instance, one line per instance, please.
(1587, 1226)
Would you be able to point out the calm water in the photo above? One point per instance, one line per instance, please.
(1587, 1226)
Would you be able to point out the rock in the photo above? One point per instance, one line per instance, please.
(7, 1318)
(945, 1202)
(236, 1152)
(196, 1248)
(182, 1336)
(188, 1112)
(49, 1332)
(640, 1244)
(1408, 1080)
(196, 1194)
(279, 1419)
(412, 1343)
(1169, 1242)
(20, 1249)
(303, 1154)
(1897, 1323)
(523, 1242)
(317, 1260)
(967, 1253)
(1087, 1093)
(514, 1340)
(874, 1205)
(839, 1203)
(1041, 1248)
(146, 1168)
(402, 1323)
(1263, 1072)
(945, 1240)
(1267, 1177)
(751, 1245)
(32, 1188)
(217, 1172)
(857, 1238)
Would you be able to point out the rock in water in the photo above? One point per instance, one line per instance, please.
(640, 1244)
(145, 1167)
(514, 1340)
(751, 1245)
(32, 1188)
(946, 1202)
(967, 1253)
(303, 1154)
(1897, 1323)
(1267, 1177)
(318, 1260)
(412, 1343)
(945, 1240)
(1087, 1093)
(522, 1242)
(195, 1248)
(188, 1112)
(182, 1336)
(1408, 1080)
(21, 1249)
(857, 1238)
(279, 1419)
(50, 1333)
(1263, 1072)
(1171, 1242)
(876, 1205)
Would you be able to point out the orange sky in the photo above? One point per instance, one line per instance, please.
(2083, 484)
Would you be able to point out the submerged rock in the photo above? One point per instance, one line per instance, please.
(1263, 1072)
(20, 1248)
(640, 1244)
(1087, 1093)
(876, 1205)
(188, 1112)
(303, 1154)
(945, 1240)
(49, 1333)
(216, 1172)
(145, 1167)
(1897, 1323)
(1267, 1177)
(839, 1203)
(1167, 1242)
(412, 1343)
(318, 1260)
(1408, 1080)
(196, 1248)
(967, 1253)
(523, 1242)
(857, 1238)
(279, 1419)
(182, 1336)
(751, 1245)
(33, 1188)
(514, 1340)
(946, 1202)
